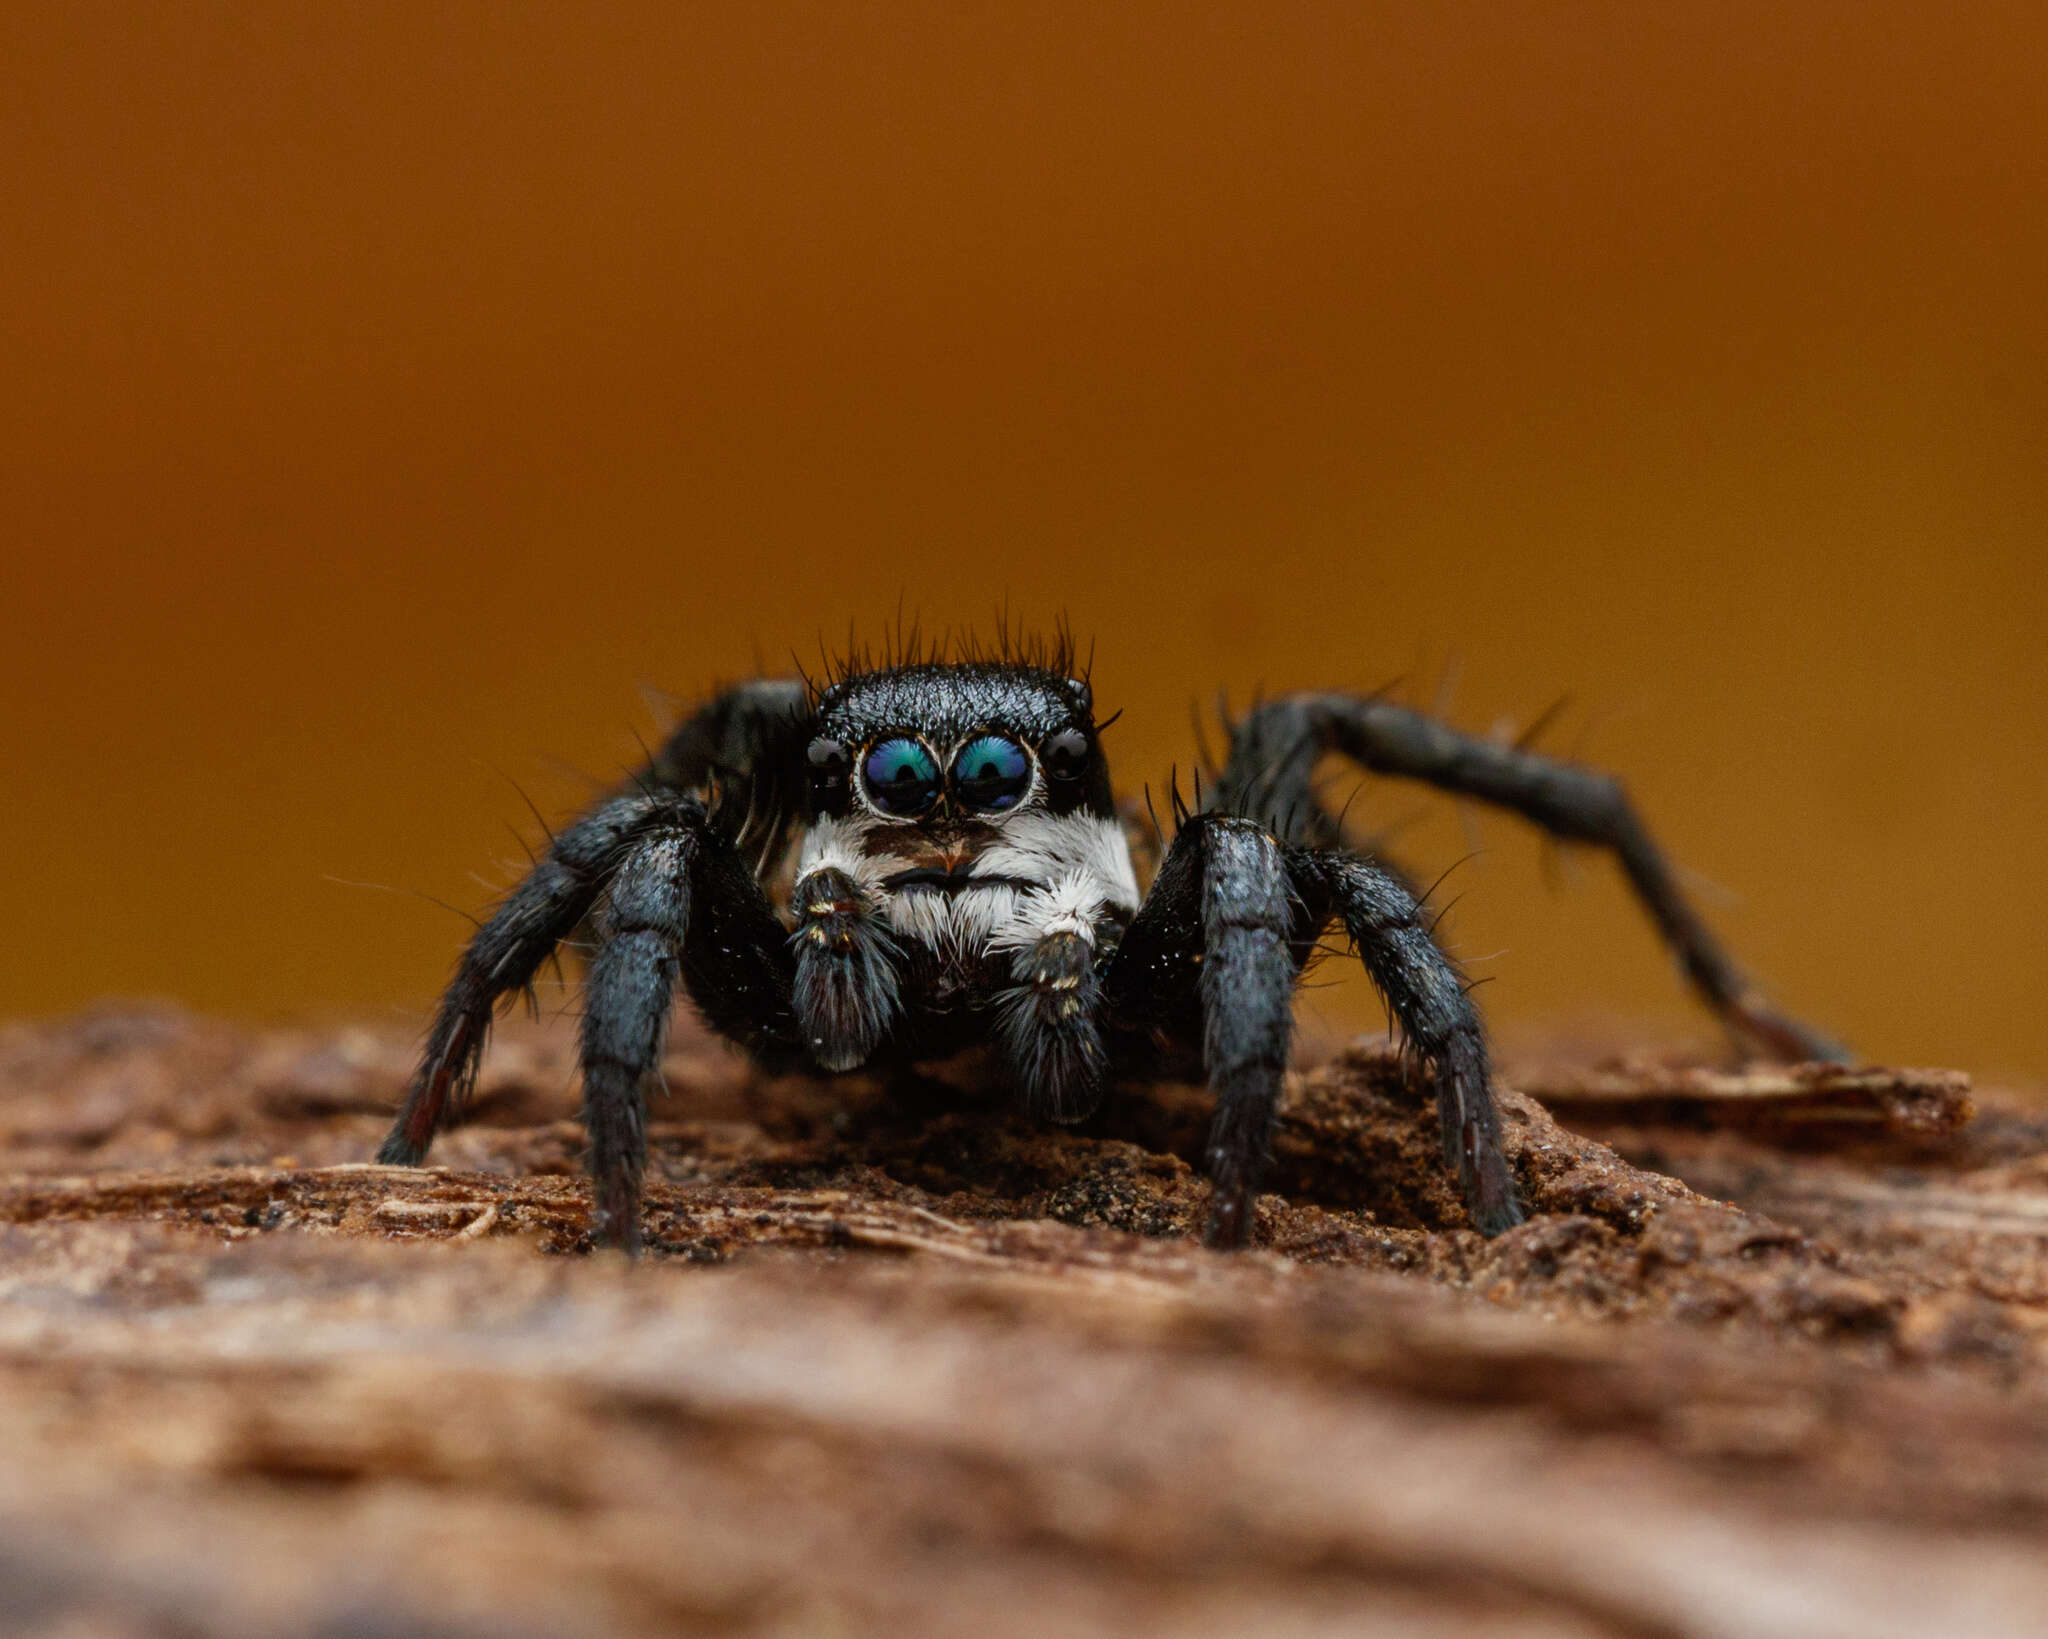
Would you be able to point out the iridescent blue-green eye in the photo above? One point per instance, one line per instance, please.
(901, 777)
(992, 773)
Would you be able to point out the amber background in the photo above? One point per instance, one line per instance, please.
(391, 390)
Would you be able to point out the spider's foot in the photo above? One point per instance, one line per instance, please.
(1230, 1219)
(400, 1151)
(1234, 1169)
(1472, 1147)
(615, 1216)
(1494, 1208)
(1757, 1026)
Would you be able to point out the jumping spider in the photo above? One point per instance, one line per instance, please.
(912, 858)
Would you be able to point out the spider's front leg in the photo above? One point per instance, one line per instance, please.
(750, 735)
(629, 995)
(682, 906)
(670, 901)
(1221, 929)
(1235, 907)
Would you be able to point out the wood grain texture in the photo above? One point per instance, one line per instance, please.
(940, 1370)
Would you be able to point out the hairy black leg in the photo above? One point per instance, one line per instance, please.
(1248, 973)
(1046, 1026)
(1272, 758)
(751, 738)
(682, 906)
(504, 955)
(847, 992)
(1216, 948)
(1427, 995)
(629, 997)
(746, 743)
(1150, 994)
(737, 965)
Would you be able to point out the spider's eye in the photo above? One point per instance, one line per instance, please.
(1065, 754)
(992, 773)
(901, 777)
(829, 762)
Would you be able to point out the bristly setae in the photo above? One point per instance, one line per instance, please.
(914, 857)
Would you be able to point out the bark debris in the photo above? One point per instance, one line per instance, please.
(900, 1361)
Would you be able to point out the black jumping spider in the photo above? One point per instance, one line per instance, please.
(917, 857)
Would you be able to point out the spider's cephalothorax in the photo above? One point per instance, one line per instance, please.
(918, 858)
(962, 873)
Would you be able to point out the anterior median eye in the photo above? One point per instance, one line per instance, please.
(901, 777)
(992, 773)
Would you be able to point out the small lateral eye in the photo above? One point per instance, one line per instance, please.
(1065, 754)
(992, 773)
(901, 777)
(829, 762)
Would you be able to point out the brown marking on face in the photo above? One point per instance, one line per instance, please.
(944, 846)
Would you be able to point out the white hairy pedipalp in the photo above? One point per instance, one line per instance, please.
(1079, 866)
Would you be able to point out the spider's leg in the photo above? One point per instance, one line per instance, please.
(1427, 996)
(729, 731)
(504, 955)
(1248, 974)
(736, 959)
(749, 738)
(628, 997)
(681, 907)
(751, 734)
(1221, 928)
(1273, 753)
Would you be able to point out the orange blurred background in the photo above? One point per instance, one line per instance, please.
(392, 390)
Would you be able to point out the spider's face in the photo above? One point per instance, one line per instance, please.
(965, 796)
(956, 750)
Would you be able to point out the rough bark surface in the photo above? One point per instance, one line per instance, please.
(901, 1362)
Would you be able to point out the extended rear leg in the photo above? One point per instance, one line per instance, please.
(1273, 752)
